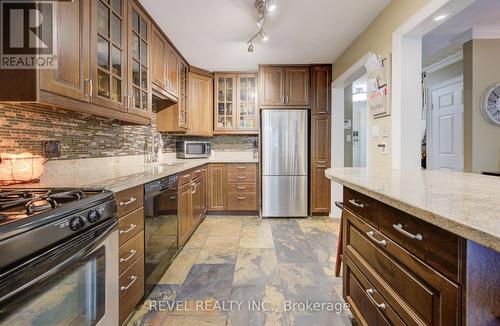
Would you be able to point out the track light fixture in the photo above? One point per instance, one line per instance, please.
(264, 36)
(263, 7)
(261, 21)
(250, 47)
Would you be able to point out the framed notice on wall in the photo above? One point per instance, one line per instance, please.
(379, 81)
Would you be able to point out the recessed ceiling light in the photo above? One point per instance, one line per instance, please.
(440, 17)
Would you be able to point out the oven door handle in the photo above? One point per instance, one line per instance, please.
(85, 249)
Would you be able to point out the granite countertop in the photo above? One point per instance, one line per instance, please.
(463, 203)
(118, 175)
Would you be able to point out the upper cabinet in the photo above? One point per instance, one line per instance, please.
(139, 62)
(200, 103)
(166, 65)
(321, 82)
(284, 86)
(108, 53)
(235, 109)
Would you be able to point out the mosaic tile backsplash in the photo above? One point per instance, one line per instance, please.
(23, 127)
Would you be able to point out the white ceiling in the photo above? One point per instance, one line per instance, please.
(447, 39)
(212, 34)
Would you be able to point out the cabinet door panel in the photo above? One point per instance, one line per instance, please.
(320, 190)
(200, 104)
(217, 187)
(108, 53)
(72, 71)
(158, 59)
(320, 140)
(185, 212)
(321, 81)
(173, 62)
(271, 84)
(297, 86)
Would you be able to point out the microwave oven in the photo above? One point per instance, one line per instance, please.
(193, 149)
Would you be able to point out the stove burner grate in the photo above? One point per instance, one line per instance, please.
(39, 205)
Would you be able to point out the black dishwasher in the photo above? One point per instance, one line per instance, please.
(160, 229)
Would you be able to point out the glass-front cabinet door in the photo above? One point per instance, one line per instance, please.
(236, 108)
(139, 62)
(225, 91)
(109, 54)
(247, 102)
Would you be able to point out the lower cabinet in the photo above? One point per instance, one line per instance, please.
(232, 187)
(387, 284)
(131, 249)
(192, 202)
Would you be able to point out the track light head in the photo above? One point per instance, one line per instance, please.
(260, 22)
(264, 36)
(250, 47)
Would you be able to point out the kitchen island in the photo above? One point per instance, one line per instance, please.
(421, 247)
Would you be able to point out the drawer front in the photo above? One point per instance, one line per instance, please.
(242, 202)
(437, 247)
(424, 296)
(130, 225)
(184, 177)
(244, 167)
(366, 302)
(364, 206)
(237, 176)
(130, 250)
(242, 188)
(131, 287)
(129, 200)
(196, 173)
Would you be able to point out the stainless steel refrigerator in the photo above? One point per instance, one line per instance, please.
(284, 163)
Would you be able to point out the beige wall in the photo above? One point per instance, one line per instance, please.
(481, 139)
(377, 37)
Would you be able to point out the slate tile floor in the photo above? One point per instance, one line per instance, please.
(240, 262)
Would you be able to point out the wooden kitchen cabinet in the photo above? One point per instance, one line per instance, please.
(173, 69)
(185, 212)
(200, 103)
(70, 78)
(235, 97)
(159, 55)
(320, 140)
(108, 53)
(139, 62)
(217, 187)
(284, 86)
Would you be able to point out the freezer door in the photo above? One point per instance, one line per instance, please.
(284, 196)
(284, 142)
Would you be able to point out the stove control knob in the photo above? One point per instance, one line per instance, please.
(76, 223)
(93, 216)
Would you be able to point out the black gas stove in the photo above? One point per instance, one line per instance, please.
(34, 219)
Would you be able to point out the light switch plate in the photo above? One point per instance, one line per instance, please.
(51, 148)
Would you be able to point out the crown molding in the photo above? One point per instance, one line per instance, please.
(485, 32)
(444, 62)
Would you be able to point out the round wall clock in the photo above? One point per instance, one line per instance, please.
(490, 104)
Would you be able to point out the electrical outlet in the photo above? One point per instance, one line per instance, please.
(51, 148)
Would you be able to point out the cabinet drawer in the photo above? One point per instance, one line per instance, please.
(130, 225)
(184, 178)
(437, 247)
(242, 202)
(242, 188)
(130, 250)
(129, 200)
(131, 287)
(239, 176)
(418, 293)
(365, 301)
(197, 173)
(244, 167)
(364, 206)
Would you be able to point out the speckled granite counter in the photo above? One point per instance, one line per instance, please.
(121, 173)
(463, 203)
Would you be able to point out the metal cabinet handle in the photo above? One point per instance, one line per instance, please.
(91, 89)
(132, 254)
(355, 203)
(87, 87)
(283, 99)
(132, 226)
(195, 186)
(400, 229)
(241, 187)
(241, 168)
(128, 202)
(133, 278)
(379, 242)
(370, 292)
(240, 177)
(197, 171)
(172, 197)
(321, 162)
(241, 198)
(287, 100)
(186, 176)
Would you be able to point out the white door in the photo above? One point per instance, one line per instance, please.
(447, 128)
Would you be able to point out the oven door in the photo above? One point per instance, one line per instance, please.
(75, 283)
